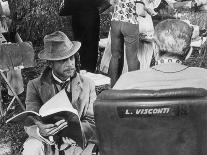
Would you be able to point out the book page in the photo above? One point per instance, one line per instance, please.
(21, 116)
(58, 108)
(59, 102)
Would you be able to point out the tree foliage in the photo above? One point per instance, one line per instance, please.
(33, 19)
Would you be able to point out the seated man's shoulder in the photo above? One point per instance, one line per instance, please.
(129, 79)
(34, 81)
(136, 73)
(198, 70)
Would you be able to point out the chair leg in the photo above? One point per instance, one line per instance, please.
(1, 108)
(10, 87)
(9, 106)
(1, 105)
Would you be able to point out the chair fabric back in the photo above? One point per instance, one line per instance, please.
(152, 122)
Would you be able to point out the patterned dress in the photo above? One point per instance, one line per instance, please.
(125, 11)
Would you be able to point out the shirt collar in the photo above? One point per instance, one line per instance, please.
(57, 79)
(170, 67)
(167, 60)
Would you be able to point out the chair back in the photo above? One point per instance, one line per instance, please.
(152, 122)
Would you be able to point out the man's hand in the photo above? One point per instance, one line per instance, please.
(67, 143)
(51, 129)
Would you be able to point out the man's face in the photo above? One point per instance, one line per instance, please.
(65, 68)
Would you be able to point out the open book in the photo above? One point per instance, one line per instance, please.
(57, 108)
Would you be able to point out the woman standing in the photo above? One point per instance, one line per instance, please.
(124, 31)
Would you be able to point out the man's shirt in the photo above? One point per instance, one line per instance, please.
(59, 84)
(164, 76)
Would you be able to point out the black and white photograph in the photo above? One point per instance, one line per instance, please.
(103, 77)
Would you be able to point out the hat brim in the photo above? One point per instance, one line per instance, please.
(45, 56)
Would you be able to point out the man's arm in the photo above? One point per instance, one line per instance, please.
(88, 122)
(33, 103)
(40, 130)
(33, 126)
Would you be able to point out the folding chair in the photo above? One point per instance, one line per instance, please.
(149, 122)
(13, 57)
(14, 94)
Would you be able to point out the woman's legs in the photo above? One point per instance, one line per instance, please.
(117, 49)
(131, 40)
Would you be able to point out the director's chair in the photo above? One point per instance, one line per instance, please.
(150, 122)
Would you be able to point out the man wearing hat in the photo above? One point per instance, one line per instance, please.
(61, 72)
(173, 38)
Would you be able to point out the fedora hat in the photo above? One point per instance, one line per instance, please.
(57, 46)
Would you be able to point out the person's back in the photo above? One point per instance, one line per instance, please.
(173, 39)
(153, 78)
